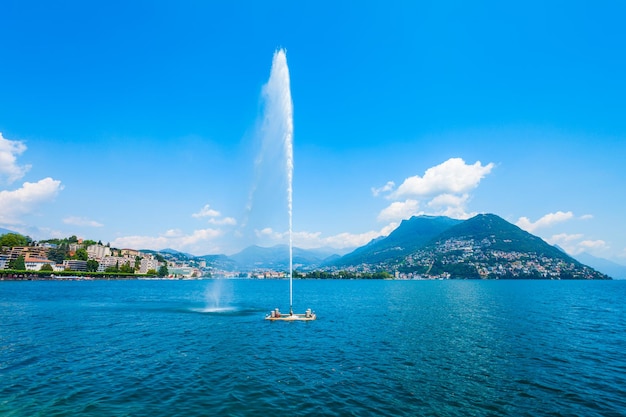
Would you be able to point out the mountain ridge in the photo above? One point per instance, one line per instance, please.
(488, 247)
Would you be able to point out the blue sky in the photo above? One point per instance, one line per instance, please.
(137, 123)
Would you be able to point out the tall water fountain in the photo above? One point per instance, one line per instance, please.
(278, 123)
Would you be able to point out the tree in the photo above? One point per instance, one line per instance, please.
(92, 265)
(163, 272)
(17, 264)
(127, 269)
(14, 239)
(81, 254)
(57, 254)
(115, 268)
(46, 267)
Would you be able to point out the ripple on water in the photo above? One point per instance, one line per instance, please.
(377, 348)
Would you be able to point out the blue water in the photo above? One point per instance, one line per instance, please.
(396, 348)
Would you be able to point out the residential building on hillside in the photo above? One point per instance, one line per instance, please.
(35, 264)
(130, 252)
(115, 261)
(148, 264)
(33, 252)
(98, 252)
(73, 247)
(75, 265)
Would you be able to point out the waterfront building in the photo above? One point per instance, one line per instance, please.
(98, 252)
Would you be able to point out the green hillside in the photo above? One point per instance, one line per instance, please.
(411, 235)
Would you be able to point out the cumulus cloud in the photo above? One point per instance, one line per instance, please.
(268, 232)
(9, 169)
(575, 244)
(206, 211)
(25, 199)
(172, 238)
(312, 240)
(225, 221)
(214, 217)
(384, 189)
(453, 176)
(354, 240)
(309, 240)
(444, 190)
(546, 221)
(399, 210)
(81, 221)
(16, 203)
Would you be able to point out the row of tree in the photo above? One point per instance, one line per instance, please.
(342, 275)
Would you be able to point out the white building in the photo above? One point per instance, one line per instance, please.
(148, 264)
(98, 252)
(35, 264)
(112, 261)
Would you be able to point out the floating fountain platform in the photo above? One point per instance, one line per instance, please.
(276, 315)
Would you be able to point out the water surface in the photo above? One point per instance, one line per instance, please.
(202, 348)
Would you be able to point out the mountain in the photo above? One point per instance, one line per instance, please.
(277, 258)
(612, 269)
(485, 246)
(176, 253)
(500, 235)
(406, 238)
(219, 262)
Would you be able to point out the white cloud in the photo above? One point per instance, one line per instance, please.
(354, 240)
(268, 232)
(443, 188)
(399, 210)
(593, 244)
(226, 221)
(546, 221)
(451, 206)
(574, 245)
(9, 150)
(172, 238)
(81, 221)
(310, 240)
(385, 188)
(215, 217)
(453, 176)
(206, 211)
(565, 238)
(24, 200)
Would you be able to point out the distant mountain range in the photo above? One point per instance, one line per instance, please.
(277, 257)
(612, 269)
(4, 231)
(485, 246)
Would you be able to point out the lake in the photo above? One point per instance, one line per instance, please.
(382, 348)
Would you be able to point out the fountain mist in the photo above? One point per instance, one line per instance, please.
(278, 125)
